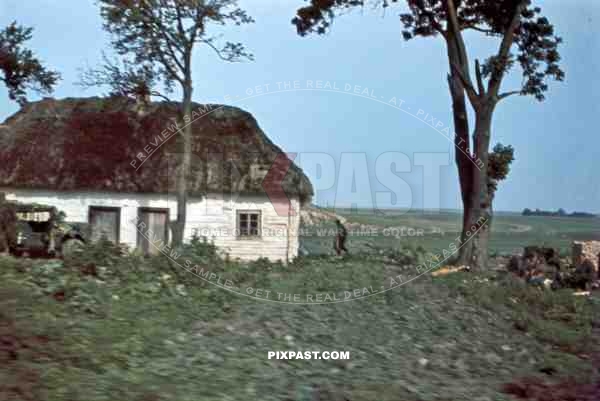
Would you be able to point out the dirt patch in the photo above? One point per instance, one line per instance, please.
(571, 389)
(312, 216)
(535, 389)
(519, 228)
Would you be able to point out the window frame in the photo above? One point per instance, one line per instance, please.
(238, 224)
(106, 209)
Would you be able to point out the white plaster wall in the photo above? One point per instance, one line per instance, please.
(211, 217)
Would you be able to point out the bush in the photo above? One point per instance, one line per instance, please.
(8, 226)
(201, 250)
(100, 253)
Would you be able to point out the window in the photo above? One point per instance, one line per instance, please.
(248, 224)
(105, 222)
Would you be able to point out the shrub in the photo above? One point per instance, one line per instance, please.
(8, 226)
(100, 253)
(201, 249)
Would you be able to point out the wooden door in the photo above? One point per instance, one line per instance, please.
(155, 234)
(104, 222)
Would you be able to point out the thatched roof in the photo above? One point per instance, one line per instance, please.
(96, 144)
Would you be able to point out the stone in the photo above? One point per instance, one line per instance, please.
(584, 275)
(583, 251)
(493, 358)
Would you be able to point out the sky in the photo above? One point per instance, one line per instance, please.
(367, 113)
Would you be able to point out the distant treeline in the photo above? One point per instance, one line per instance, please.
(558, 213)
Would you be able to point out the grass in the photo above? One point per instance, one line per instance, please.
(510, 231)
(142, 330)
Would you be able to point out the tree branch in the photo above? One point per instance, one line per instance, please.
(180, 29)
(160, 95)
(169, 68)
(476, 28)
(505, 45)
(201, 13)
(217, 50)
(479, 78)
(454, 27)
(170, 42)
(473, 25)
(454, 33)
(471, 93)
(507, 94)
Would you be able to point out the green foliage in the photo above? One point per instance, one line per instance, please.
(558, 213)
(100, 253)
(499, 161)
(21, 70)
(156, 40)
(200, 248)
(535, 44)
(318, 16)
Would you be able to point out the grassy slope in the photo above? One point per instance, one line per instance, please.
(131, 334)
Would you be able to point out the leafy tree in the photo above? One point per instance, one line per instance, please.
(526, 40)
(21, 70)
(156, 39)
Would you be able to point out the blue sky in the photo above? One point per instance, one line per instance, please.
(556, 142)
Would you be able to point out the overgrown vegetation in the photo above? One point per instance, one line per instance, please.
(141, 328)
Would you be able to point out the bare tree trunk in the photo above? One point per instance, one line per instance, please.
(462, 151)
(464, 164)
(481, 212)
(185, 150)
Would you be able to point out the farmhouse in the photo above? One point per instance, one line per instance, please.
(99, 161)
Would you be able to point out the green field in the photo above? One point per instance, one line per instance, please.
(510, 231)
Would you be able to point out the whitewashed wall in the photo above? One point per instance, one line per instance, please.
(211, 216)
